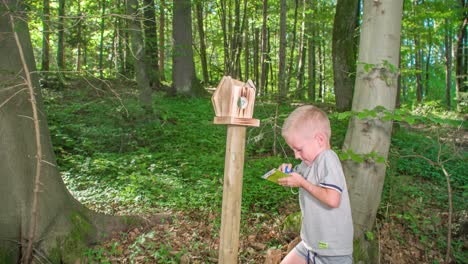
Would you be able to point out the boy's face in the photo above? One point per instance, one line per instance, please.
(306, 146)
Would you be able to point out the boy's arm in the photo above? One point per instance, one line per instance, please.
(329, 197)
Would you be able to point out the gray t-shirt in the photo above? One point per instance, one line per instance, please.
(326, 231)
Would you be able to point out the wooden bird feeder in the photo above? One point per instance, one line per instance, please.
(233, 102)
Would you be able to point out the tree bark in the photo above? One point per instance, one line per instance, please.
(79, 26)
(162, 23)
(379, 47)
(151, 43)
(201, 34)
(448, 63)
(263, 56)
(139, 55)
(290, 70)
(301, 57)
(344, 52)
(60, 37)
(45, 63)
(311, 61)
(34, 197)
(282, 81)
(101, 40)
(461, 58)
(184, 79)
(418, 68)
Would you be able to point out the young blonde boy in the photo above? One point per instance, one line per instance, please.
(327, 228)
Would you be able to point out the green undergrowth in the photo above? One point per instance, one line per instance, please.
(116, 159)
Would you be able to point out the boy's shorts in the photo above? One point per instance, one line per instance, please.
(317, 259)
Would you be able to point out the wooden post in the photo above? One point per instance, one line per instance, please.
(233, 102)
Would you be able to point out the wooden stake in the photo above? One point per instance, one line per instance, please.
(232, 194)
(233, 102)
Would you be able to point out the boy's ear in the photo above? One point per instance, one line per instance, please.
(321, 137)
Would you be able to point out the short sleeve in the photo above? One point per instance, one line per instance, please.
(331, 172)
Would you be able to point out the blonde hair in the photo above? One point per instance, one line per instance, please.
(309, 117)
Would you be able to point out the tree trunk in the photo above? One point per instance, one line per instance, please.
(282, 81)
(246, 52)
(79, 26)
(151, 43)
(162, 23)
(302, 52)
(460, 57)
(418, 68)
(101, 40)
(201, 34)
(256, 57)
(344, 52)
(45, 63)
(35, 202)
(448, 63)
(311, 72)
(374, 87)
(138, 52)
(321, 66)
(290, 71)
(224, 28)
(60, 37)
(264, 40)
(235, 44)
(184, 79)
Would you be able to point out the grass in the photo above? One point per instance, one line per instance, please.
(116, 160)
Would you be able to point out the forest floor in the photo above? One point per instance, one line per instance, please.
(192, 238)
(168, 165)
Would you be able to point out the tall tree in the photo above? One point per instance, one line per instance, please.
(101, 39)
(344, 52)
(311, 61)
(45, 63)
(232, 28)
(379, 48)
(151, 43)
(61, 36)
(263, 51)
(201, 34)
(461, 55)
(448, 62)
(139, 56)
(301, 56)
(162, 24)
(37, 213)
(282, 84)
(79, 41)
(292, 49)
(184, 79)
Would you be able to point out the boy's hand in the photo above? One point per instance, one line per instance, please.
(286, 168)
(295, 180)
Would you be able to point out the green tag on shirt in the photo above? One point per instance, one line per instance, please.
(323, 245)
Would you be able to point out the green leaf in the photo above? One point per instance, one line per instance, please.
(357, 158)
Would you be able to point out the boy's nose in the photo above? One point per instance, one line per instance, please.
(297, 155)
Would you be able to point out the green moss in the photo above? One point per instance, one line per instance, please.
(292, 223)
(71, 247)
(365, 251)
(6, 256)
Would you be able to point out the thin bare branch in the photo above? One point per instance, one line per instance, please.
(11, 97)
(32, 225)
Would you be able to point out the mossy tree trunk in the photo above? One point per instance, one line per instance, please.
(376, 85)
(34, 202)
